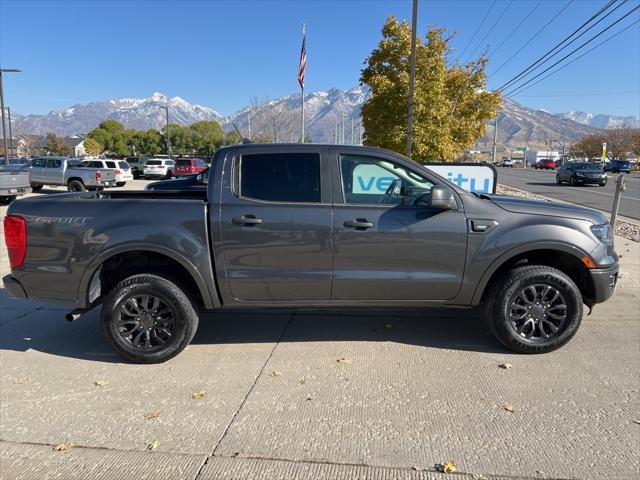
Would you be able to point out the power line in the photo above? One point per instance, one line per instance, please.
(575, 50)
(595, 94)
(491, 29)
(535, 7)
(541, 59)
(477, 30)
(520, 89)
(535, 35)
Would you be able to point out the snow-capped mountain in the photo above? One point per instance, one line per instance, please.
(138, 113)
(328, 114)
(602, 121)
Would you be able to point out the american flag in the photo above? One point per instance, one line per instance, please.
(303, 59)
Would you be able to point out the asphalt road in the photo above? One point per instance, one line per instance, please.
(543, 182)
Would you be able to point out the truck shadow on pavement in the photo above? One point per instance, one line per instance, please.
(47, 331)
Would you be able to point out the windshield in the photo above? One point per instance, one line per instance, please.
(585, 166)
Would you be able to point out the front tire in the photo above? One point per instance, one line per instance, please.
(572, 181)
(148, 319)
(534, 309)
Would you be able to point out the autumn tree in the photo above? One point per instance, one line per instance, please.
(620, 143)
(92, 147)
(451, 103)
(56, 146)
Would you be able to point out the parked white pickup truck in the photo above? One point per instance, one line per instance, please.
(69, 172)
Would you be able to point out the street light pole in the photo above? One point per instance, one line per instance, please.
(495, 138)
(166, 108)
(4, 127)
(412, 77)
(10, 132)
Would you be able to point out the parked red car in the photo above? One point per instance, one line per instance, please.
(546, 164)
(189, 166)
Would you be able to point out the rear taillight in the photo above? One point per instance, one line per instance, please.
(117, 171)
(98, 175)
(15, 236)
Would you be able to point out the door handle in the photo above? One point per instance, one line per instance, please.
(358, 224)
(246, 220)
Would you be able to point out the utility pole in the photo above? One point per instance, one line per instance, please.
(353, 138)
(412, 77)
(335, 137)
(495, 138)
(4, 127)
(249, 124)
(10, 132)
(166, 108)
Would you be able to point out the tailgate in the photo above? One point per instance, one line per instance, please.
(107, 175)
(14, 180)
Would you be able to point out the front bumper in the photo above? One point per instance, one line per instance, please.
(586, 180)
(13, 287)
(605, 281)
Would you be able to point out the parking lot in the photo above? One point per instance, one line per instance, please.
(543, 182)
(315, 394)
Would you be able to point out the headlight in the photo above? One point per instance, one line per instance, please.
(578, 174)
(603, 232)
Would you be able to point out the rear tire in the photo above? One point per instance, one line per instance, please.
(120, 184)
(572, 181)
(137, 330)
(558, 181)
(528, 323)
(76, 186)
(36, 188)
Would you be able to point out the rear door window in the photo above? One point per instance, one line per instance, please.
(123, 165)
(54, 163)
(281, 177)
(110, 164)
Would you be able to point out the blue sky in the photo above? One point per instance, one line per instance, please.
(221, 54)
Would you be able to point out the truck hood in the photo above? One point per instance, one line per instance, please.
(542, 207)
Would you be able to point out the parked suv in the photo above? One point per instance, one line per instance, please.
(120, 168)
(575, 173)
(618, 166)
(189, 166)
(158, 168)
(137, 165)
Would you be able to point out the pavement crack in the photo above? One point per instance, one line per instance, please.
(251, 388)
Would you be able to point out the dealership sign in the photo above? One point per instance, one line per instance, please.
(473, 177)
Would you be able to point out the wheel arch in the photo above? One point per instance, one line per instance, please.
(158, 260)
(564, 257)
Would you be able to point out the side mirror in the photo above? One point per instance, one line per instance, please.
(442, 197)
(200, 178)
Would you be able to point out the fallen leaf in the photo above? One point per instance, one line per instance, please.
(235, 454)
(505, 366)
(301, 380)
(152, 414)
(197, 395)
(153, 444)
(344, 360)
(418, 468)
(447, 467)
(508, 407)
(61, 447)
(636, 421)
(101, 383)
(539, 472)
(276, 373)
(22, 380)
(309, 398)
(478, 476)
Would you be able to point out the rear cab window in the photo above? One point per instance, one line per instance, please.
(281, 177)
(154, 162)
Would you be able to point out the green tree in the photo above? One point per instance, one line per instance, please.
(207, 137)
(232, 138)
(147, 142)
(451, 104)
(307, 138)
(92, 147)
(56, 146)
(181, 139)
(112, 136)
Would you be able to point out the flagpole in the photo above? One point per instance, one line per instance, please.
(302, 95)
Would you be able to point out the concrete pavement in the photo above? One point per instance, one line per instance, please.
(418, 387)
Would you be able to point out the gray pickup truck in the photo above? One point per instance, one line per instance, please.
(309, 226)
(13, 183)
(68, 172)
